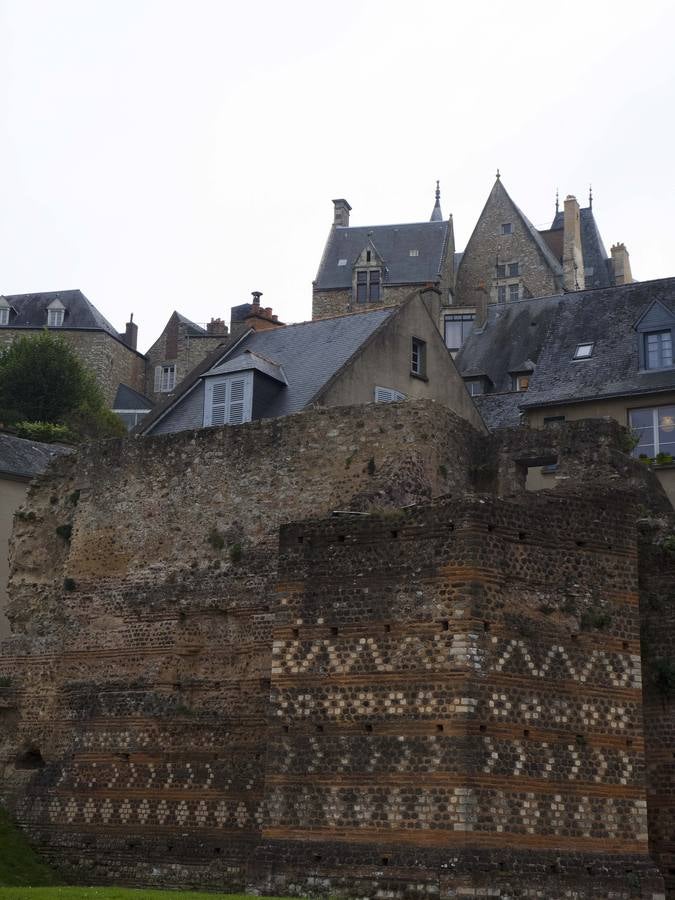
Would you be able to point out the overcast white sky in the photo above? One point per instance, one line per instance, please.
(165, 155)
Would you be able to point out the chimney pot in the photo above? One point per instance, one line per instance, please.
(341, 213)
(268, 312)
(256, 297)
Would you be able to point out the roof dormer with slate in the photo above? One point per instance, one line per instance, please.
(378, 265)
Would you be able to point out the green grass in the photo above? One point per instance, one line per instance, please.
(19, 864)
(105, 893)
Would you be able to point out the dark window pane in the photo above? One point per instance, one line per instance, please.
(361, 277)
(501, 271)
(501, 293)
(513, 291)
(375, 290)
(361, 293)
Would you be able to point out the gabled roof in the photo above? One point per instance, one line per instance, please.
(393, 243)
(247, 361)
(31, 311)
(192, 327)
(128, 398)
(22, 459)
(310, 355)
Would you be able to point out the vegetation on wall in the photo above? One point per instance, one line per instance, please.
(47, 394)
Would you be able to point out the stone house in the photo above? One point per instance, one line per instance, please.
(383, 354)
(585, 354)
(111, 356)
(378, 265)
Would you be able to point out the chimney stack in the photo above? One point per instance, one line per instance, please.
(216, 327)
(573, 258)
(621, 265)
(341, 213)
(130, 336)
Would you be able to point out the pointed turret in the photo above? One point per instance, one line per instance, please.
(436, 214)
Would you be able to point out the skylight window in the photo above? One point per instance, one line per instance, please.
(414, 252)
(342, 262)
(584, 351)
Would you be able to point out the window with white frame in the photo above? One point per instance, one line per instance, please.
(584, 351)
(387, 395)
(418, 358)
(4, 315)
(475, 386)
(514, 291)
(654, 429)
(228, 400)
(55, 317)
(658, 349)
(165, 378)
(458, 327)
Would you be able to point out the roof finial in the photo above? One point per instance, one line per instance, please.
(436, 214)
(557, 202)
(590, 195)
(498, 175)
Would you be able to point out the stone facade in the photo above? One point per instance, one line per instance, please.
(339, 302)
(111, 360)
(435, 692)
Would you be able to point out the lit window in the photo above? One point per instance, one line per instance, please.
(584, 351)
(513, 270)
(4, 315)
(165, 378)
(457, 329)
(501, 293)
(228, 401)
(654, 429)
(506, 228)
(388, 395)
(55, 317)
(520, 382)
(514, 291)
(658, 349)
(418, 358)
(367, 285)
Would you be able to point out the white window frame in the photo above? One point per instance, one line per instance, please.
(55, 317)
(4, 315)
(165, 378)
(388, 395)
(224, 407)
(418, 357)
(655, 426)
(580, 351)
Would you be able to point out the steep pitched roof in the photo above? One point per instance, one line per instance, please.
(309, 353)
(592, 247)
(606, 318)
(393, 243)
(192, 327)
(128, 398)
(31, 311)
(24, 459)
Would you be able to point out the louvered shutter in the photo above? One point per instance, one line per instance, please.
(237, 392)
(383, 395)
(219, 392)
(158, 379)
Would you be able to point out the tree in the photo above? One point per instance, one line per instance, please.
(42, 380)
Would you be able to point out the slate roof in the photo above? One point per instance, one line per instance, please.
(241, 362)
(128, 398)
(606, 317)
(595, 255)
(310, 354)
(24, 459)
(393, 243)
(30, 311)
(500, 410)
(192, 327)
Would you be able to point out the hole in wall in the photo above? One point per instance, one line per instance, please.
(521, 535)
(482, 727)
(490, 526)
(300, 539)
(30, 759)
(445, 625)
(319, 727)
(486, 626)
(394, 534)
(387, 628)
(296, 632)
(216, 851)
(334, 630)
(526, 732)
(625, 645)
(580, 543)
(285, 729)
(317, 857)
(369, 728)
(385, 860)
(439, 728)
(341, 538)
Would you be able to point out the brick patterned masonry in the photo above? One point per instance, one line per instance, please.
(443, 700)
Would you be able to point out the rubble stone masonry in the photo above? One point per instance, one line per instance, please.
(431, 693)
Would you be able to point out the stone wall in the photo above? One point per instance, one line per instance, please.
(177, 345)
(442, 700)
(111, 361)
(340, 302)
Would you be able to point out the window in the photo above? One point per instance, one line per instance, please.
(506, 228)
(658, 349)
(4, 315)
(418, 358)
(131, 417)
(165, 378)
(655, 430)
(513, 270)
(342, 262)
(514, 291)
(457, 329)
(55, 317)
(520, 381)
(367, 285)
(228, 401)
(584, 351)
(388, 395)
(553, 420)
(368, 255)
(501, 271)
(475, 386)
(414, 252)
(501, 293)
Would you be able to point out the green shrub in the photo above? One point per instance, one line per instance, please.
(45, 432)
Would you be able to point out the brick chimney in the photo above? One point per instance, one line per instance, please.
(573, 258)
(252, 315)
(130, 336)
(621, 265)
(341, 212)
(216, 327)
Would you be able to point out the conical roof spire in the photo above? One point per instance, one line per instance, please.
(436, 214)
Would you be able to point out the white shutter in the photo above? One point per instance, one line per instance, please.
(387, 395)
(158, 379)
(228, 400)
(237, 391)
(219, 392)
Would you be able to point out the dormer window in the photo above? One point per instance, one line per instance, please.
(367, 284)
(584, 351)
(55, 317)
(520, 381)
(342, 262)
(228, 400)
(658, 349)
(4, 315)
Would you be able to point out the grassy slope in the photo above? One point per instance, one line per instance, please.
(19, 865)
(105, 893)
